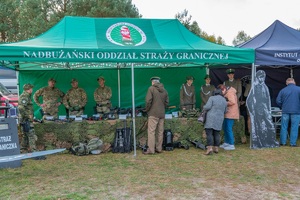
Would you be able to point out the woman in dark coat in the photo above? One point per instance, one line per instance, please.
(215, 107)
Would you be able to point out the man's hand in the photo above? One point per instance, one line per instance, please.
(77, 108)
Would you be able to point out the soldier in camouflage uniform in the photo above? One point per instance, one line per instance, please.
(75, 99)
(187, 94)
(102, 96)
(52, 98)
(25, 106)
(206, 91)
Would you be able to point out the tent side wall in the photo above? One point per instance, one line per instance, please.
(172, 78)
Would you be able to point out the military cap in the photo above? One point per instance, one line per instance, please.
(27, 86)
(100, 77)
(230, 71)
(74, 80)
(206, 76)
(190, 78)
(52, 79)
(260, 73)
(154, 78)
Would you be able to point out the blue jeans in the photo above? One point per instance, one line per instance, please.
(295, 119)
(228, 133)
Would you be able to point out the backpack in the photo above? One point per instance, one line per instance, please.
(81, 149)
(123, 140)
(168, 140)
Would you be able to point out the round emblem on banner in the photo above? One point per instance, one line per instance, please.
(125, 34)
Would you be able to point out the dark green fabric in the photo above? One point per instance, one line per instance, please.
(172, 78)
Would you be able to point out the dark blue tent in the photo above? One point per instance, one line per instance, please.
(278, 45)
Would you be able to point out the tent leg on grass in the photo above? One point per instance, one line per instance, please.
(133, 110)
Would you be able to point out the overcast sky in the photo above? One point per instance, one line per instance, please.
(226, 18)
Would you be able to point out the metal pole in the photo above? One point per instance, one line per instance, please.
(133, 110)
(253, 71)
(18, 83)
(119, 87)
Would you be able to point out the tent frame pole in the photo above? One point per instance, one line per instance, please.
(133, 109)
(253, 72)
(119, 87)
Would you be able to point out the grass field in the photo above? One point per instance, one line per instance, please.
(178, 174)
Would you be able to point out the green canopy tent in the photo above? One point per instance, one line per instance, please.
(80, 46)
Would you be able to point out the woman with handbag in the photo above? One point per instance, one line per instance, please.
(216, 107)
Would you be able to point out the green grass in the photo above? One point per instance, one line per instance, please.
(178, 174)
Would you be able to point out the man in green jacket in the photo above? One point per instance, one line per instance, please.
(157, 100)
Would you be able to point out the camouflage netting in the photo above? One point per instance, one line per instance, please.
(53, 135)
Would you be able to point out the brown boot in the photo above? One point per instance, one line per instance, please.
(216, 149)
(209, 151)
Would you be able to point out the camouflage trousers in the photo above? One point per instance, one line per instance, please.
(50, 111)
(103, 109)
(29, 139)
(76, 112)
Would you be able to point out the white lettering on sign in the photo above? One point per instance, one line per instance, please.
(98, 56)
(8, 146)
(286, 55)
(5, 138)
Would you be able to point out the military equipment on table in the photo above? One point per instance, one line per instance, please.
(197, 144)
(83, 148)
(112, 114)
(168, 140)
(140, 111)
(123, 139)
(180, 145)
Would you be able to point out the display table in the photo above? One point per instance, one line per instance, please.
(62, 134)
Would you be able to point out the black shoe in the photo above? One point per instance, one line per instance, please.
(293, 145)
(282, 144)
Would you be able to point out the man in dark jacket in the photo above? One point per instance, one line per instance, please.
(187, 94)
(288, 100)
(157, 100)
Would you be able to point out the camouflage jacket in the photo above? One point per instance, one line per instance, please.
(75, 97)
(50, 96)
(102, 95)
(25, 107)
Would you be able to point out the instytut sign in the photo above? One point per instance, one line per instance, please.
(9, 142)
